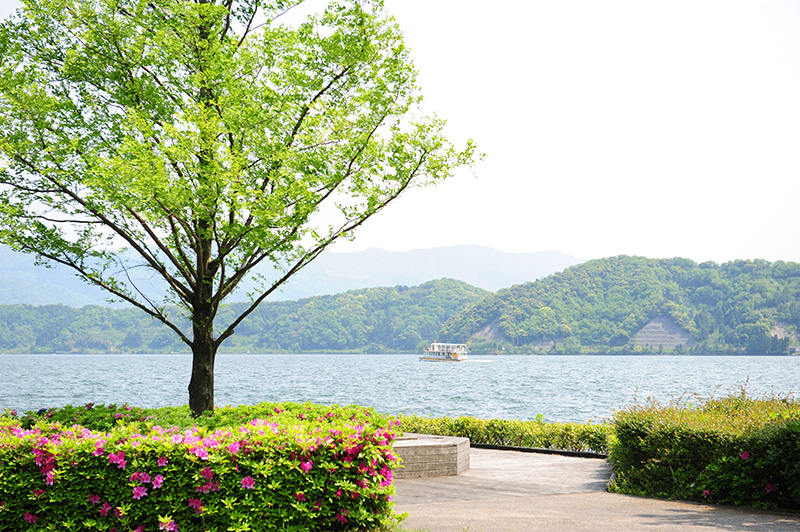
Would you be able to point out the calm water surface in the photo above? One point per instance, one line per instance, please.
(561, 388)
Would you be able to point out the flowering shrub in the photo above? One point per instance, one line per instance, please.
(330, 470)
(735, 450)
(537, 433)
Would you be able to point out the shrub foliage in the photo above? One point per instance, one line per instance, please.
(537, 433)
(735, 450)
(269, 467)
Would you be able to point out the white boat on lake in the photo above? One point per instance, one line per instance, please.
(439, 352)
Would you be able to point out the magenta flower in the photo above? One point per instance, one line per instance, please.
(157, 481)
(162, 461)
(31, 518)
(38, 492)
(707, 493)
(341, 516)
(306, 466)
(201, 453)
(248, 483)
(139, 492)
(105, 509)
(234, 447)
(207, 473)
(745, 455)
(172, 526)
(197, 504)
(144, 477)
(300, 496)
(117, 458)
(94, 499)
(770, 488)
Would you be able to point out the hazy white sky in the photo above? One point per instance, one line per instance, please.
(655, 128)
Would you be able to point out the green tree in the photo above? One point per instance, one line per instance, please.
(195, 140)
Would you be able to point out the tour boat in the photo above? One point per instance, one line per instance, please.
(445, 352)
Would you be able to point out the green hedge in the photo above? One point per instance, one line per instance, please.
(299, 467)
(537, 433)
(735, 450)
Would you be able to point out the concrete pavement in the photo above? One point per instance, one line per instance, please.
(509, 491)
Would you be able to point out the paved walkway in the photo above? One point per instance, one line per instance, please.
(507, 491)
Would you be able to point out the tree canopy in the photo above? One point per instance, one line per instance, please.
(199, 139)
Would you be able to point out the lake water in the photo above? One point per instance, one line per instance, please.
(561, 388)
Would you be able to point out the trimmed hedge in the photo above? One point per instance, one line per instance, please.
(735, 450)
(303, 467)
(565, 436)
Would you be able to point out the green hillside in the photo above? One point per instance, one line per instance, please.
(375, 320)
(628, 304)
(616, 305)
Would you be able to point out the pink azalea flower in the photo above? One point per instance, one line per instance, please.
(117, 458)
(162, 461)
(248, 483)
(707, 493)
(157, 481)
(233, 448)
(770, 488)
(300, 496)
(197, 504)
(172, 526)
(341, 516)
(31, 518)
(200, 452)
(745, 455)
(144, 477)
(306, 466)
(139, 492)
(207, 473)
(105, 508)
(94, 499)
(38, 492)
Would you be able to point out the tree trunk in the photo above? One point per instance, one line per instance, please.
(204, 345)
(201, 385)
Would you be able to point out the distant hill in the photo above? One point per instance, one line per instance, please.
(639, 305)
(330, 273)
(375, 320)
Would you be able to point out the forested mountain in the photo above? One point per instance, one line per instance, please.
(615, 305)
(618, 304)
(375, 320)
